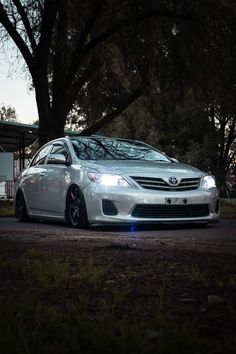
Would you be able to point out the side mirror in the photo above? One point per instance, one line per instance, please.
(56, 159)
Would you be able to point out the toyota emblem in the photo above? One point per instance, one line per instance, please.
(173, 181)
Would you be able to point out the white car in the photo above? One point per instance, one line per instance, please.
(102, 180)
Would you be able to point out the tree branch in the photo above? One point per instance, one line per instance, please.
(125, 23)
(26, 23)
(60, 56)
(230, 160)
(20, 43)
(121, 106)
(87, 29)
(81, 51)
(78, 84)
(230, 138)
(48, 21)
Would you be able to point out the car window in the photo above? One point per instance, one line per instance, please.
(115, 149)
(40, 157)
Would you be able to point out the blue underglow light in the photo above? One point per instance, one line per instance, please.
(133, 228)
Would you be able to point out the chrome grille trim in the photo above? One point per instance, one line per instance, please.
(186, 184)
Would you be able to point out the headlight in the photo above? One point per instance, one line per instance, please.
(108, 179)
(209, 182)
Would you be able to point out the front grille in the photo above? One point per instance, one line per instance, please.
(170, 211)
(186, 184)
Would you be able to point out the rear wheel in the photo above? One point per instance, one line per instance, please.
(20, 207)
(76, 214)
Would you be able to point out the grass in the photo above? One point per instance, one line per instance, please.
(195, 275)
(163, 297)
(65, 306)
(228, 277)
(27, 326)
(228, 208)
(4, 263)
(46, 271)
(120, 296)
(89, 273)
(6, 208)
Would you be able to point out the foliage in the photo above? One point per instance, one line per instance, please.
(8, 113)
(186, 134)
(228, 208)
(137, 123)
(98, 57)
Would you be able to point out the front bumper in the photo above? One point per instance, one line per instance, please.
(125, 201)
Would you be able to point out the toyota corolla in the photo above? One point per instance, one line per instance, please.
(102, 180)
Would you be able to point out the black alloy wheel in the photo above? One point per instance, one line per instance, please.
(20, 207)
(76, 214)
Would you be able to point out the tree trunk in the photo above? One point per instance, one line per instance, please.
(51, 120)
(220, 175)
(46, 129)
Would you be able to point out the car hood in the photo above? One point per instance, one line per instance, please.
(140, 168)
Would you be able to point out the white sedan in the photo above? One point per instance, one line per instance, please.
(102, 180)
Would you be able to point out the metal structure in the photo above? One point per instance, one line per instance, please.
(14, 137)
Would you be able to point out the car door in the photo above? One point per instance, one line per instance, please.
(56, 180)
(33, 187)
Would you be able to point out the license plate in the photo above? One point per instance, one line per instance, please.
(176, 201)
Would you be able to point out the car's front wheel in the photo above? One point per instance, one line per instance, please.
(76, 214)
(20, 207)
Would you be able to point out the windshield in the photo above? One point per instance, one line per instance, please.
(115, 149)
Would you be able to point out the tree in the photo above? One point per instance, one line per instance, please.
(223, 123)
(8, 113)
(102, 55)
(200, 134)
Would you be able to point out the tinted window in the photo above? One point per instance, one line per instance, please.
(39, 159)
(115, 149)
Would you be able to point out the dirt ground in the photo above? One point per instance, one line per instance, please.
(191, 278)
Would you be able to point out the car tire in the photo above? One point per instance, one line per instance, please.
(76, 214)
(20, 208)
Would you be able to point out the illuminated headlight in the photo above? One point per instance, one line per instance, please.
(209, 182)
(108, 180)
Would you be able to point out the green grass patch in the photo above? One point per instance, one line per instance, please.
(45, 270)
(28, 326)
(228, 208)
(89, 273)
(195, 275)
(4, 263)
(63, 305)
(7, 208)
